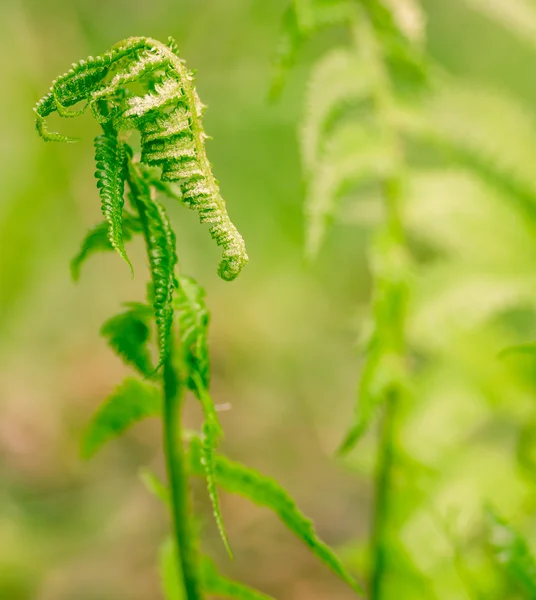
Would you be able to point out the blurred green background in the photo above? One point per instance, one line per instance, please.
(283, 335)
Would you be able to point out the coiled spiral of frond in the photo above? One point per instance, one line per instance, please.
(168, 114)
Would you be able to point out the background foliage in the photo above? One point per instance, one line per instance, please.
(284, 336)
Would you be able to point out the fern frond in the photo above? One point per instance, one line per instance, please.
(403, 57)
(512, 553)
(222, 587)
(355, 154)
(97, 240)
(168, 117)
(193, 317)
(110, 174)
(261, 490)
(485, 131)
(300, 21)
(170, 583)
(128, 334)
(339, 80)
(153, 485)
(160, 241)
(212, 581)
(131, 402)
(212, 433)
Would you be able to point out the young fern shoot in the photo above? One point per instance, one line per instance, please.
(341, 152)
(168, 114)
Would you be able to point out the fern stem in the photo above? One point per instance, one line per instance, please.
(174, 388)
(384, 470)
(178, 481)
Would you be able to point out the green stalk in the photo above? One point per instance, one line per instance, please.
(173, 389)
(394, 315)
(384, 472)
(178, 481)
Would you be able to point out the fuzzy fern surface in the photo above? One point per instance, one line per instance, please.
(168, 114)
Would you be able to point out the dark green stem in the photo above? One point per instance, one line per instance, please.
(384, 472)
(178, 481)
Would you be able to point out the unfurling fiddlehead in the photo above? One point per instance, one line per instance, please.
(167, 113)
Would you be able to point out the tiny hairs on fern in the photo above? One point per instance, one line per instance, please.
(168, 114)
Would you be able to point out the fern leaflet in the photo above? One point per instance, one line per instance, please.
(131, 402)
(110, 174)
(193, 331)
(128, 334)
(212, 581)
(97, 240)
(160, 241)
(238, 479)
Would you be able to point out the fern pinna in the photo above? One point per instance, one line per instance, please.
(167, 112)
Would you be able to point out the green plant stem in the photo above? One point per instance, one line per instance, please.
(177, 477)
(178, 481)
(386, 455)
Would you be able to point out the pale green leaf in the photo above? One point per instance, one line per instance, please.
(264, 491)
(128, 334)
(131, 402)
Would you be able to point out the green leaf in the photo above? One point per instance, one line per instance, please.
(153, 485)
(300, 21)
(168, 567)
(264, 491)
(97, 240)
(161, 250)
(194, 320)
(128, 334)
(218, 585)
(512, 553)
(212, 433)
(193, 331)
(211, 581)
(131, 402)
(110, 175)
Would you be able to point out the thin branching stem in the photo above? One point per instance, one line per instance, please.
(178, 481)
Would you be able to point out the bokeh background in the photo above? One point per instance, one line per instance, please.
(283, 336)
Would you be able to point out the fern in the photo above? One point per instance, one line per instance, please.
(160, 242)
(168, 117)
(223, 587)
(211, 580)
(110, 160)
(167, 112)
(131, 402)
(301, 20)
(193, 318)
(128, 334)
(238, 479)
(97, 240)
(371, 148)
(193, 327)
